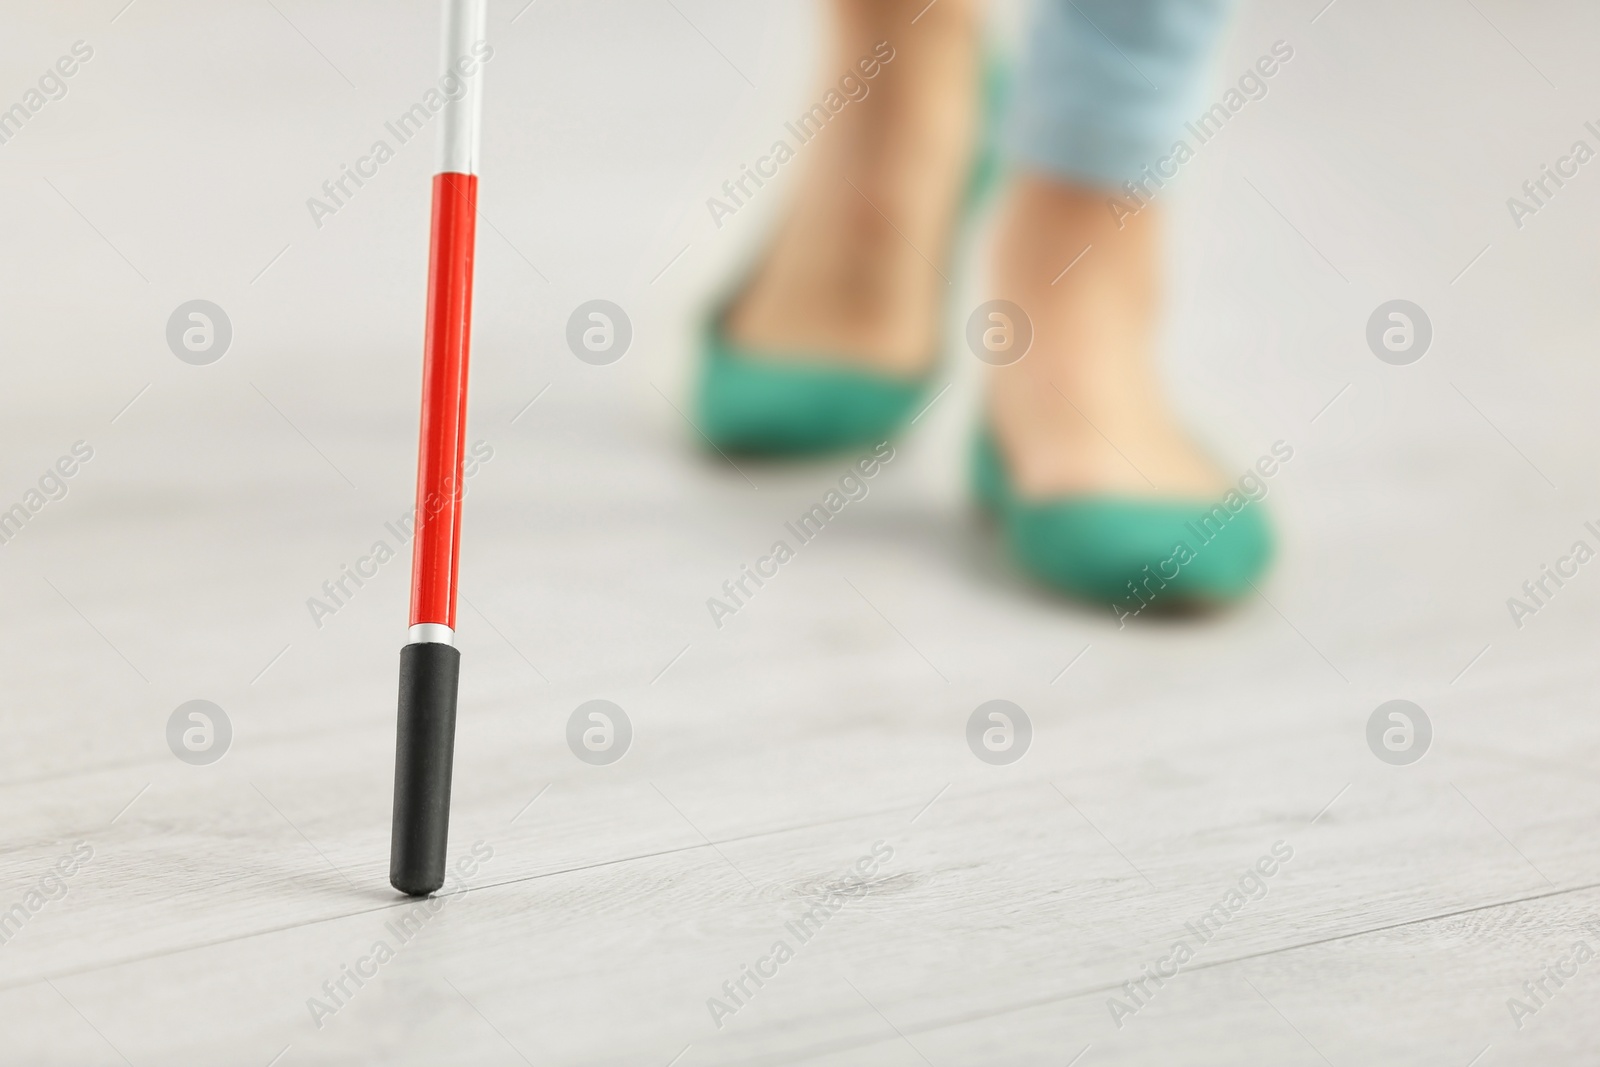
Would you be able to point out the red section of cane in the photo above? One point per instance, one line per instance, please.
(436, 553)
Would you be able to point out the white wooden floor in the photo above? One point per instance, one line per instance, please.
(208, 905)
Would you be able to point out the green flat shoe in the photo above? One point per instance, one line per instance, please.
(786, 404)
(1134, 554)
(756, 403)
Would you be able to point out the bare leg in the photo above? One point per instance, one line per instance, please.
(1084, 411)
(857, 270)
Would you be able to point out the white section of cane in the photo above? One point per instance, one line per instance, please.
(466, 49)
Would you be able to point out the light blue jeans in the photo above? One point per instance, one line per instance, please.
(1107, 85)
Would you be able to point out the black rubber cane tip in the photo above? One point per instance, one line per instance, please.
(424, 751)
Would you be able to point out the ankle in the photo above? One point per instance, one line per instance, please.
(1089, 289)
(1084, 410)
(907, 21)
(919, 109)
(1057, 240)
(857, 268)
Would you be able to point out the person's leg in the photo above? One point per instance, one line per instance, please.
(857, 270)
(1108, 87)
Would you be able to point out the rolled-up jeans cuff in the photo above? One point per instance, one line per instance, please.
(1107, 84)
(1087, 152)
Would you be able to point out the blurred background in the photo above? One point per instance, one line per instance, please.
(219, 498)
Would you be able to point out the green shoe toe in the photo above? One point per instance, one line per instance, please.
(761, 404)
(1131, 553)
